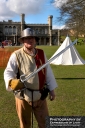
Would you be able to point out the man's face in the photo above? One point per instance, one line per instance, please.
(29, 42)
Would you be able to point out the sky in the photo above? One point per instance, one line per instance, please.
(36, 11)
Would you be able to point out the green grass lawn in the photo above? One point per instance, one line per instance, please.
(70, 93)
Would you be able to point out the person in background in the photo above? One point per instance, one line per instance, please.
(30, 96)
(2, 44)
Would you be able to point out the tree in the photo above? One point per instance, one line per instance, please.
(72, 13)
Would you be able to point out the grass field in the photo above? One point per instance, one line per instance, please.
(70, 93)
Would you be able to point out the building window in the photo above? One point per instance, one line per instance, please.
(10, 30)
(39, 31)
(36, 31)
(46, 31)
(6, 30)
(14, 30)
(43, 31)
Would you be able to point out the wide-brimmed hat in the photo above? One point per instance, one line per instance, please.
(28, 32)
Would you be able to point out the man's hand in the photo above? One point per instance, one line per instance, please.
(16, 84)
(52, 95)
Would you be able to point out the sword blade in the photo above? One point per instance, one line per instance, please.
(25, 78)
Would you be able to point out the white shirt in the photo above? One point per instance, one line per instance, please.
(12, 69)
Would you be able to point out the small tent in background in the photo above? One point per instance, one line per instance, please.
(69, 57)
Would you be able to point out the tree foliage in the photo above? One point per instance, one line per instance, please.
(72, 13)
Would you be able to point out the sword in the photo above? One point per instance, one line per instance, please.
(25, 78)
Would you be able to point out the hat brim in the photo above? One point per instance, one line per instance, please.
(21, 38)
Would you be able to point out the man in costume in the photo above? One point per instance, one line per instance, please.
(30, 95)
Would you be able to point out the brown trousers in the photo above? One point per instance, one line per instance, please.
(24, 111)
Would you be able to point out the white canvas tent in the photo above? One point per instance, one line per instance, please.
(69, 57)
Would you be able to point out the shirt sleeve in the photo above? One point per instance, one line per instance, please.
(10, 71)
(50, 79)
